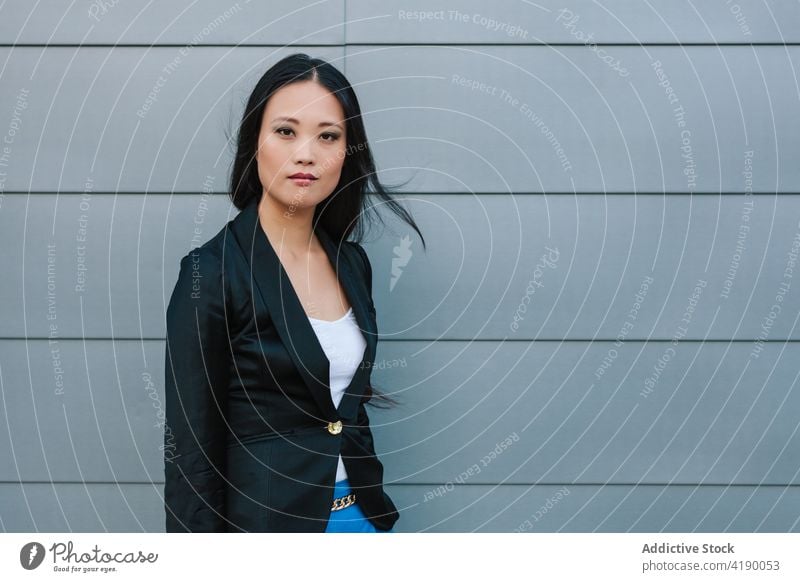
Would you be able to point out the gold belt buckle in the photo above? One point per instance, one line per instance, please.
(342, 502)
(335, 427)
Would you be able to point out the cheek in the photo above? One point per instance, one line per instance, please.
(335, 163)
(269, 159)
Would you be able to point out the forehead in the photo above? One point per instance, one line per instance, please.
(308, 102)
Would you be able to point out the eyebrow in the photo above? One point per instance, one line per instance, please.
(293, 120)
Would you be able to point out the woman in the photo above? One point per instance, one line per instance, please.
(271, 330)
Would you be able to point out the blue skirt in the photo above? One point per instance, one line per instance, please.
(350, 519)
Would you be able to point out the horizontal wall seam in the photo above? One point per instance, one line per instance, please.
(443, 340)
(394, 44)
(430, 484)
(418, 194)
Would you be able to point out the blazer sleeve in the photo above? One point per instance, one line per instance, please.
(367, 269)
(196, 380)
(362, 420)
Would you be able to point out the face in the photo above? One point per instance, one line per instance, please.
(302, 132)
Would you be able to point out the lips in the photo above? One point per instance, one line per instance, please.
(300, 176)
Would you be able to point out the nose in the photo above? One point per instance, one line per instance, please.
(304, 153)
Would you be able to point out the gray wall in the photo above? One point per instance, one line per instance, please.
(659, 166)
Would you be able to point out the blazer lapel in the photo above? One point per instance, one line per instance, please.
(291, 321)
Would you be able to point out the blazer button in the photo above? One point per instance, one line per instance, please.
(335, 427)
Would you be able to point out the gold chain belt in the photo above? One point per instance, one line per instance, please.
(342, 502)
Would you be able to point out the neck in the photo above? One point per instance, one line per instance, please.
(288, 229)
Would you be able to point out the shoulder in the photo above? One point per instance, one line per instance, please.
(213, 247)
(203, 265)
(363, 264)
(361, 254)
(200, 275)
(209, 255)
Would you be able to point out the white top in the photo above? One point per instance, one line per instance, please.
(344, 345)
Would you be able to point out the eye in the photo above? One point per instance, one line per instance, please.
(280, 129)
(333, 136)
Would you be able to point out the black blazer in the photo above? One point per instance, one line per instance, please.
(247, 443)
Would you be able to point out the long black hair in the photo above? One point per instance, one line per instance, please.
(345, 211)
